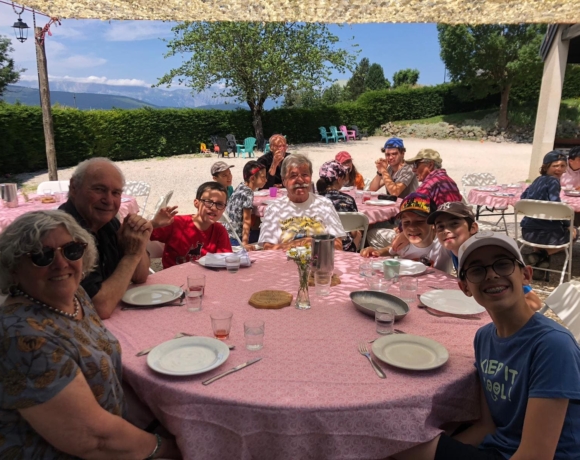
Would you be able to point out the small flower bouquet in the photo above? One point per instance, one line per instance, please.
(302, 256)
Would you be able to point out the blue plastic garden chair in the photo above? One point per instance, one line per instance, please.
(325, 135)
(248, 147)
(337, 134)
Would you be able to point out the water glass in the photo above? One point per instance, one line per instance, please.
(322, 281)
(233, 263)
(378, 283)
(366, 196)
(391, 269)
(365, 269)
(358, 196)
(221, 323)
(254, 334)
(195, 290)
(385, 320)
(408, 289)
(273, 192)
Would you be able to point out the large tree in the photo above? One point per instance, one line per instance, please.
(491, 58)
(376, 78)
(255, 61)
(405, 77)
(356, 85)
(8, 73)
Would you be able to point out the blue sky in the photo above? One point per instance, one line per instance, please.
(131, 52)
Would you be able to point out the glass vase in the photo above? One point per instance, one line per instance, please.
(303, 297)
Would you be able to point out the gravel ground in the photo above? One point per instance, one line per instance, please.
(184, 173)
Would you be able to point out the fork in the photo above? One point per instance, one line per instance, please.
(147, 350)
(397, 331)
(362, 349)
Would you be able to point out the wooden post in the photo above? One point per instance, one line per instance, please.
(45, 105)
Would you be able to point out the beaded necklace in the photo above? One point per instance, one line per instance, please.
(18, 292)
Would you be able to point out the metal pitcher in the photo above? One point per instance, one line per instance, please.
(323, 252)
(9, 193)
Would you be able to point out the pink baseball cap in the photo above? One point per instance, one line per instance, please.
(341, 157)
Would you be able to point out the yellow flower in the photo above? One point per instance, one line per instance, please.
(30, 343)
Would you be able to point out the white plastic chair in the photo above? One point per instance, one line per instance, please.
(565, 302)
(353, 221)
(367, 184)
(53, 186)
(138, 188)
(481, 180)
(155, 250)
(162, 203)
(547, 210)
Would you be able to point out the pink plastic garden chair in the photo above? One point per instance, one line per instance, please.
(348, 134)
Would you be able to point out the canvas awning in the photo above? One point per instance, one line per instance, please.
(329, 11)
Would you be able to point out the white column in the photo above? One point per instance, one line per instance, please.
(549, 103)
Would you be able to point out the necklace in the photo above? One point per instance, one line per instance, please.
(56, 310)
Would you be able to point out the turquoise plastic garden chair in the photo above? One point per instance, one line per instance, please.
(325, 135)
(248, 147)
(337, 134)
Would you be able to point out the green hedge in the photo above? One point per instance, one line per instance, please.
(528, 92)
(146, 133)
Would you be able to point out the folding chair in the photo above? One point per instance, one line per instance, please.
(155, 250)
(480, 180)
(565, 303)
(352, 221)
(52, 186)
(161, 203)
(547, 210)
(138, 188)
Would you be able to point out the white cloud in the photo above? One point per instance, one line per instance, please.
(80, 62)
(93, 79)
(128, 31)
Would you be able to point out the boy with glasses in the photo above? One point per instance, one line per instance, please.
(527, 364)
(187, 238)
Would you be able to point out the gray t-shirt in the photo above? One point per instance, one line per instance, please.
(41, 353)
(241, 199)
(406, 176)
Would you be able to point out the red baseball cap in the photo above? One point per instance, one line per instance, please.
(341, 157)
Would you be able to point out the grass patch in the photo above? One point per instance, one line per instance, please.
(454, 118)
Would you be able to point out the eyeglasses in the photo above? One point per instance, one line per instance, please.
(418, 162)
(210, 204)
(502, 267)
(70, 251)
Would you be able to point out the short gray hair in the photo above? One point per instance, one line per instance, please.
(25, 235)
(295, 160)
(79, 173)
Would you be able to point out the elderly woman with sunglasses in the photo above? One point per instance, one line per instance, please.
(60, 390)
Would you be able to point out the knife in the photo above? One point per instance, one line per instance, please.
(231, 371)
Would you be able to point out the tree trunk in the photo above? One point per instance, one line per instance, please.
(257, 122)
(503, 108)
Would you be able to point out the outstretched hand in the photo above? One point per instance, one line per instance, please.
(164, 217)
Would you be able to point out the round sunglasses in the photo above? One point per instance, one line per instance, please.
(70, 251)
(502, 267)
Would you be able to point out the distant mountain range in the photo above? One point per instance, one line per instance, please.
(101, 96)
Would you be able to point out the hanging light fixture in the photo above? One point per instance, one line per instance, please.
(20, 27)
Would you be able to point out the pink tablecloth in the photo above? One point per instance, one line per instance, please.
(313, 396)
(481, 198)
(7, 215)
(374, 213)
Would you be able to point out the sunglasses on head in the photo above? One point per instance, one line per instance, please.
(70, 251)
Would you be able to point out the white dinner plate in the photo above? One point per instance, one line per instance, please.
(451, 301)
(380, 202)
(411, 352)
(152, 295)
(245, 261)
(262, 193)
(346, 189)
(268, 201)
(411, 267)
(572, 192)
(487, 189)
(188, 356)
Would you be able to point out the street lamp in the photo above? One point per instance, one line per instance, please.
(20, 30)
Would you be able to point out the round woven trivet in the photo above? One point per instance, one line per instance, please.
(335, 280)
(270, 299)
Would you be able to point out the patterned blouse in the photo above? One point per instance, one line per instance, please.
(41, 352)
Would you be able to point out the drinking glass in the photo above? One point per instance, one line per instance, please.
(322, 281)
(358, 197)
(366, 196)
(365, 269)
(385, 320)
(378, 283)
(391, 269)
(221, 323)
(254, 333)
(233, 263)
(195, 290)
(408, 289)
(273, 192)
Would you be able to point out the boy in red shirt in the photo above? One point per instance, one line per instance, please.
(187, 238)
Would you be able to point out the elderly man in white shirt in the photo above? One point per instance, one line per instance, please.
(292, 220)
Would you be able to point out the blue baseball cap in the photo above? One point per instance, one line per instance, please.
(394, 143)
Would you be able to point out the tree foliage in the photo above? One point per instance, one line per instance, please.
(255, 61)
(405, 77)
(356, 85)
(376, 80)
(8, 73)
(491, 58)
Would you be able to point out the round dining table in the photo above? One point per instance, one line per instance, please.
(375, 213)
(7, 215)
(313, 395)
(495, 197)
